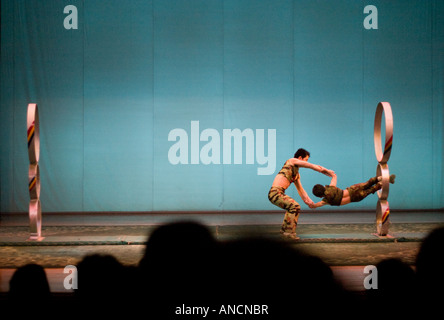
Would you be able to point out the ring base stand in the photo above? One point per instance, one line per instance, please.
(35, 220)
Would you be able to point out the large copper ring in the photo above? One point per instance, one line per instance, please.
(33, 133)
(383, 155)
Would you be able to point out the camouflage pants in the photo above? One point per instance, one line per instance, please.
(359, 191)
(277, 196)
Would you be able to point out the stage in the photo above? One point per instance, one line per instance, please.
(346, 241)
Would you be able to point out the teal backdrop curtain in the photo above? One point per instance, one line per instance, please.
(173, 105)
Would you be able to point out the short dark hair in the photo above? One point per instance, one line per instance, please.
(319, 190)
(301, 153)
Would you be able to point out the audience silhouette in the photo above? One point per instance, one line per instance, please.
(28, 290)
(103, 286)
(396, 288)
(29, 282)
(179, 267)
(184, 268)
(429, 264)
(273, 273)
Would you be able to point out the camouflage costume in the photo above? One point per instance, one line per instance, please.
(277, 196)
(357, 192)
(333, 195)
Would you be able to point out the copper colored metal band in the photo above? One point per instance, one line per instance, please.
(382, 170)
(383, 154)
(382, 217)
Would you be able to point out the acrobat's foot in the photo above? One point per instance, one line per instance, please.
(290, 235)
(391, 179)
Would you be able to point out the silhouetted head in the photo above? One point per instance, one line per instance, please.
(99, 275)
(179, 263)
(429, 262)
(430, 258)
(29, 281)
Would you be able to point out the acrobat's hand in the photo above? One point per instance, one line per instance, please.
(309, 202)
(318, 204)
(331, 173)
(327, 172)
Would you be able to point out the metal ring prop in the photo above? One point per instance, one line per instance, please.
(34, 181)
(383, 155)
(382, 170)
(33, 133)
(382, 217)
(35, 217)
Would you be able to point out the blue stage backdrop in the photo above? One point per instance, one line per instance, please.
(174, 105)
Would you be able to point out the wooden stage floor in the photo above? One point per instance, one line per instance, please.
(343, 240)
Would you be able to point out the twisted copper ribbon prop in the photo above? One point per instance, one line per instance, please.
(383, 155)
(35, 210)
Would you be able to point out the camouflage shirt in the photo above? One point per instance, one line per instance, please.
(333, 195)
(290, 172)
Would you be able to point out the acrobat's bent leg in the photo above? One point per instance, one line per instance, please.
(360, 191)
(278, 197)
(371, 182)
(290, 221)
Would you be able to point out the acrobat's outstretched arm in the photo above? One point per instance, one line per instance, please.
(334, 180)
(304, 196)
(318, 204)
(315, 167)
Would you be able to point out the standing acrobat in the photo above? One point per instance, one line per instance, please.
(334, 196)
(287, 175)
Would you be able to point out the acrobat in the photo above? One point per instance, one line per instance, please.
(335, 196)
(287, 175)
